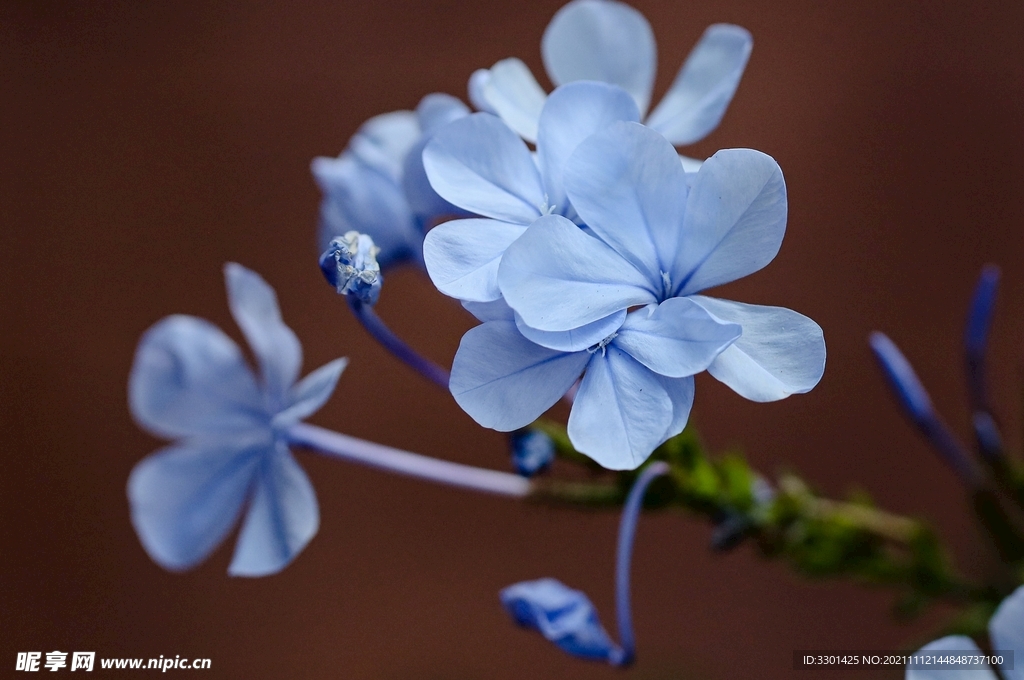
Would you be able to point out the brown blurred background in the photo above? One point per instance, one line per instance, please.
(143, 145)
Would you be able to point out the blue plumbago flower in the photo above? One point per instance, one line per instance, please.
(637, 386)
(1006, 633)
(651, 241)
(611, 42)
(567, 617)
(190, 382)
(532, 452)
(480, 165)
(350, 265)
(377, 186)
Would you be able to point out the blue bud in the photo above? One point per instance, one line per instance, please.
(532, 452)
(350, 265)
(902, 379)
(979, 321)
(986, 432)
(564, 616)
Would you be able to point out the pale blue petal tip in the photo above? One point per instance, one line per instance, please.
(564, 616)
(532, 452)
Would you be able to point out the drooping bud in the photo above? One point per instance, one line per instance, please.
(350, 265)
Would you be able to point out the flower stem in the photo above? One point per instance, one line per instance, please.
(391, 342)
(624, 556)
(405, 463)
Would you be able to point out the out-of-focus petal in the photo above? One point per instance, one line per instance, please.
(185, 498)
(312, 392)
(676, 339)
(462, 256)
(780, 352)
(629, 187)
(480, 165)
(1006, 629)
(572, 113)
(601, 40)
(360, 198)
(949, 644)
(254, 307)
(504, 381)
(282, 518)
(189, 378)
(621, 411)
(564, 616)
(437, 110)
(558, 278)
(511, 92)
(383, 141)
(705, 85)
(475, 89)
(577, 339)
(735, 220)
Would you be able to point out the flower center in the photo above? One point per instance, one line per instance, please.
(603, 345)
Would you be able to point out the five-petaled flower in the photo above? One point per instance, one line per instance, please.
(190, 382)
(608, 41)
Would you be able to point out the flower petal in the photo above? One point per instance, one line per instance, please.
(462, 256)
(781, 352)
(577, 339)
(1007, 631)
(735, 220)
(480, 165)
(185, 498)
(558, 278)
(383, 141)
(504, 381)
(189, 378)
(495, 310)
(511, 92)
(312, 392)
(680, 391)
(698, 97)
(572, 113)
(950, 643)
(676, 339)
(282, 518)
(475, 89)
(599, 40)
(358, 197)
(254, 307)
(621, 412)
(562, 615)
(629, 187)
(437, 110)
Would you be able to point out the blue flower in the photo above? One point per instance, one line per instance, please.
(1006, 632)
(190, 382)
(657, 236)
(637, 386)
(480, 165)
(377, 186)
(611, 42)
(652, 241)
